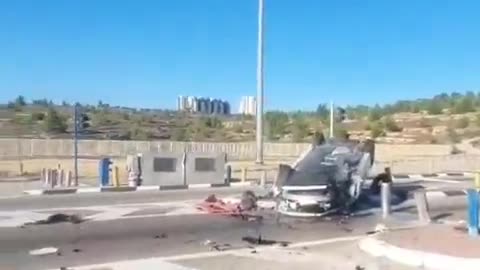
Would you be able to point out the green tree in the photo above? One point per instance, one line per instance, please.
(391, 125)
(140, 133)
(434, 108)
(376, 130)
(340, 133)
(276, 124)
(54, 123)
(37, 116)
(375, 113)
(212, 122)
(462, 123)
(322, 111)
(300, 130)
(180, 134)
(464, 105)
(20, 101)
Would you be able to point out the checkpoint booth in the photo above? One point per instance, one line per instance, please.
(163, 169)
(169, 169)
(205, 168)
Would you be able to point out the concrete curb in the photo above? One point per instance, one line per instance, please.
(416, 258)
(20, 179)
(402, 176)
(128, 189)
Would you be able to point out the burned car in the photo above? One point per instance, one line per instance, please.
(329, 177)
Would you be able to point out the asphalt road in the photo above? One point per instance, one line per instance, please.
(98, 242)
(143, 237)
(112, 198)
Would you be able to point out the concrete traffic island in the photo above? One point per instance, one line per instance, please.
(434, 246)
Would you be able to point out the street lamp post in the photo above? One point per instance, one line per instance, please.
(259, 113)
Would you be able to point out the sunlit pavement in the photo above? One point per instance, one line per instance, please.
(148, 232)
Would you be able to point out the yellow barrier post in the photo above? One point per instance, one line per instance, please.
(477, 180)
(115, 176)
(244, 174)
(263, 178)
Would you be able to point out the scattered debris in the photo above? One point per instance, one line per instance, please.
(76, 250)
(380, 228)
(260, 241)
(253, 251)
(44, 251)
(215, 246)
(211, 198)
(57, 218)
(248, 201)
(161, 236)
(358, 267)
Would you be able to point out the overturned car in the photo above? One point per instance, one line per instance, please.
(327, 178)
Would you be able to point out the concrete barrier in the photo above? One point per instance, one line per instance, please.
(163, 169)
(12, 148)
(205, 168)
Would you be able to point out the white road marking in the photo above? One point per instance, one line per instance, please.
(140, 188)
(33, 192)
(199, 186)
(18, 218)
(241, 184)
(429, 179)
(144, 264)
(106, 212)
(89, 190)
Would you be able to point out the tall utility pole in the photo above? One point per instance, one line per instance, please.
(259, 112)
(75, 141)
(331, 119)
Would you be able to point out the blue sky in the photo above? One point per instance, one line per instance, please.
(143, 53)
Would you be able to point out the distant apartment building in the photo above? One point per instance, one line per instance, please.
(203, 105)
(248, 105)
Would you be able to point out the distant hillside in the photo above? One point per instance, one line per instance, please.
(445, 118)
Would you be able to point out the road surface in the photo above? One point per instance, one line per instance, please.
(136, 225)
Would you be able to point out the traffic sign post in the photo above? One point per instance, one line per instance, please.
(80, 123)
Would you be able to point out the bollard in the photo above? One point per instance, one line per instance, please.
(54, 178)
(244, 174)
(115, 177)
(104, 171)
(43, 176)
(263, 178)
(228, 174)
(422, 206)
(386, 199)
(477, 180)
(48, 178)
(69, 178)
(61, 178)
(473, 209)
(74, 180)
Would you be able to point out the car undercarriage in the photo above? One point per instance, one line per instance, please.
(328, 178)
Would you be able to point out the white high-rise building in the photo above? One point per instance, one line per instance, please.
(202, 105)
(248, 105)
(182, 103)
